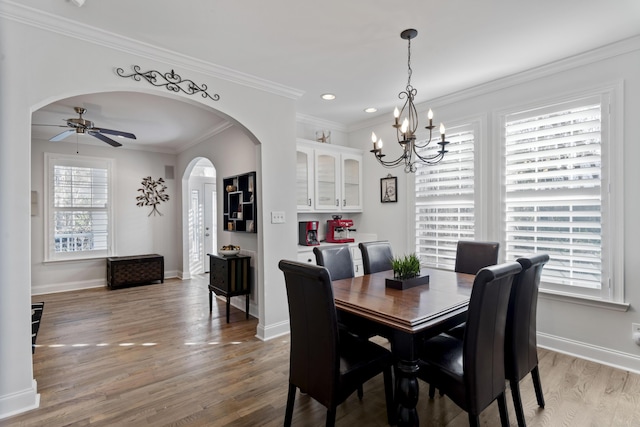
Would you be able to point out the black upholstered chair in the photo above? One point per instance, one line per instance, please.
(325, 363)
(471, 371)
(521, 351)
(376, 256)
(471, 255)
(337, 259)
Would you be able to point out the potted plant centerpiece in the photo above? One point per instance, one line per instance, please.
(406, 273)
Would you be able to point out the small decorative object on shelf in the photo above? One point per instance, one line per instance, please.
(152, 194)
(323, 136)
(239, 204)
(406, 273)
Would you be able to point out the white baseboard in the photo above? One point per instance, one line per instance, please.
(605, 356)
(17, 403)
(272, 331)
(52, 288)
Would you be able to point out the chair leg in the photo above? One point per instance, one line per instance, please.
(502, 407)
(432, 391)
(537, 385)
(388, 394)
(291, 398)
(331, 417)
(517, 402)
(360, 392)
(474, 420)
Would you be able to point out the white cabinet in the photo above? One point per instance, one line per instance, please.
(329, 178)
(304, 178)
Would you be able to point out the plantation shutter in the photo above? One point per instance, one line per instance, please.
(445, 200)
(553, 190)
(79, 223)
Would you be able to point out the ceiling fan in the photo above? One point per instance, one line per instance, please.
(81, 125)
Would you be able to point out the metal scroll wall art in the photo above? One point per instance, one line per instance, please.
(171, 81)
(152, 194)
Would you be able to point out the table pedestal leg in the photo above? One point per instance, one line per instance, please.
(407, 393)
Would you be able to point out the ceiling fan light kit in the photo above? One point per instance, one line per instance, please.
(81, 126)
(406, 128)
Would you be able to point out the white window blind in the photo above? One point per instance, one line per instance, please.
(78, 208)
(553, 186)
(445, 200)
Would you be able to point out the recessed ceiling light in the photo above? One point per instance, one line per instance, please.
(370, 110)
(328, 96)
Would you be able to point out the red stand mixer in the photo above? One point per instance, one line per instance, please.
(338, 230)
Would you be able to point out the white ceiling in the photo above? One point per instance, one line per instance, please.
(348, 47)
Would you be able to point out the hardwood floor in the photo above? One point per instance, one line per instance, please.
(153, 356)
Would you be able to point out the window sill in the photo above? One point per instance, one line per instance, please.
(93, 258)
(582, 300)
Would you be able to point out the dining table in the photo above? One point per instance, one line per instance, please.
(406, 317)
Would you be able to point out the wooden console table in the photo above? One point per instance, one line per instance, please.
(229, 277)
(134, 270)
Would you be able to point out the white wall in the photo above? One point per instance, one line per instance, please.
(135, 231)
(33, 75)
(597, 333)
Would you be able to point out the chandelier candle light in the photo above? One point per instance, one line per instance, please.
(406, 131)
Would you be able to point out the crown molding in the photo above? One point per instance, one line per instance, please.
(320, 123)
(56, 24)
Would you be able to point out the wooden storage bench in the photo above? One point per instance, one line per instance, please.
(134, 270)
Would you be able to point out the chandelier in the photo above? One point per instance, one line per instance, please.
(406, 124)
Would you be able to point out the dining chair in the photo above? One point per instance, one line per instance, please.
(337, 259)
(472, 255)
(521, 350)
(471, 371)
(376, 256)
(326, 363)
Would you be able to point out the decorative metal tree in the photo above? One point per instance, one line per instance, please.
(152, 194)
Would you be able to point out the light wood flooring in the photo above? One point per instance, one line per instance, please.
(154, 356)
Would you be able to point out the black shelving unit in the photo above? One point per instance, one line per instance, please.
(239, 210)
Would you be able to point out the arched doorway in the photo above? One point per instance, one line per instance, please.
(201, 214)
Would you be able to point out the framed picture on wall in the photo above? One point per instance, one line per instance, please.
(388, 187)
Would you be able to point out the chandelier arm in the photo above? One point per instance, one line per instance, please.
(435, 158)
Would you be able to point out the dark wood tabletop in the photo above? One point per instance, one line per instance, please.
(411, 310)
(406, 317)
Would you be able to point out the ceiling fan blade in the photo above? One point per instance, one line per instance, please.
(114, 132)
(57, 126)
(104, 138)
(63, 135)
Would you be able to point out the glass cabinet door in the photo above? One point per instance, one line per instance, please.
(304, 179)
(327, 190)
(351, 182)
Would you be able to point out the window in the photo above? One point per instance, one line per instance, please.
(555, 197)
(78, 210)
(444, 204)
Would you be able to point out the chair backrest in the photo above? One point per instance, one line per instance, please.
(483, 346)
(337, 259)
(314, 357)
(376, 256)
(471, 256)
(521, 354)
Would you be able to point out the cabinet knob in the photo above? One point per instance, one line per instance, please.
(309, 202)
(337, 202)
(344, 202)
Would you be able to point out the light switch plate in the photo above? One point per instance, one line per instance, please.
(277, 217)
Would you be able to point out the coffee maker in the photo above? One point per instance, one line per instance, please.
(338, 230)
(308, 233)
